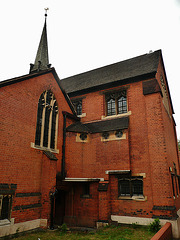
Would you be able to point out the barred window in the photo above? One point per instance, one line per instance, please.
(47, 119)
(5, 206)
(124, 187)
(116, 103)
(130, 186)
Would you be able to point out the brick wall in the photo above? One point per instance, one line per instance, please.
(32, 171)
(150, 148)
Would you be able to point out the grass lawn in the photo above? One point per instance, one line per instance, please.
(112, 232)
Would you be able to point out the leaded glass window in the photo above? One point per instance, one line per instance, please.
(122, 105)
(47, 116)
(131, 186)
(124, 187)
(111, 107)
(78, 106)
(116, 103)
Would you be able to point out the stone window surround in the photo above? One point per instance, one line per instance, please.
(41, 147)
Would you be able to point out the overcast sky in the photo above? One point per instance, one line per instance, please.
(87, 34)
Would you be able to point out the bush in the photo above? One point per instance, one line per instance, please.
(64, 228)
(135, 225)
(155, 225)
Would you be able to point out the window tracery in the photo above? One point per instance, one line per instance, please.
(47, 116)
(116, 103)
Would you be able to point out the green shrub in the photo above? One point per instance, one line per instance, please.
(135, 225)
(63, 228)
(155, 225)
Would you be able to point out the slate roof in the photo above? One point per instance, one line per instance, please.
(128, 69)
(100, 126)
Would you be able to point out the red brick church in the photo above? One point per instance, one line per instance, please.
(93, 148)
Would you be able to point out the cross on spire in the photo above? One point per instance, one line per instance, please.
(46, 9)
(42, 58)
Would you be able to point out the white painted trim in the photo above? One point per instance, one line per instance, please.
(11, 228)
(83, 179)
(116, 171)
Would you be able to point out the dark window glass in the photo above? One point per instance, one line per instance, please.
(124, 186)
(122, 105)
(105, 135)
(172, 179)
(118, 133)
(111, 107)
(39, 120)
(116, 102)
(46, 120)
(79, 108)
(5, 207)
(179, 183)
(137, 187)
(86, 189)
(83, 136)
(53, 126)
(132, 186)
(46, 127)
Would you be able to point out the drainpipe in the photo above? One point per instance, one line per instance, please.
(70, 116)
(63, 173)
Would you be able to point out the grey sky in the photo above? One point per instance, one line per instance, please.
(86, 34)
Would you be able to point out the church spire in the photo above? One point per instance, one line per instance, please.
(42, 58)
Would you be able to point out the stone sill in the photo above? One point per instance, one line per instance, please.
(136, 198)
(117, 116)
(44, 148)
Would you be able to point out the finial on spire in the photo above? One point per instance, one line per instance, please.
(46, 9)
(42, 58)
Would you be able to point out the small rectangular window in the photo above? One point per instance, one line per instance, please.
(130, 186)
(137, 186)
(124, 186)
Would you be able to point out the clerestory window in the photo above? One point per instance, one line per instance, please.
(47, 121)
(78, 106)
(116, 103)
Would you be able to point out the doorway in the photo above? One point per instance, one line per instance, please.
(59, 207)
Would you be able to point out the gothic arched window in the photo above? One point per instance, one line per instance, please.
(47, 118)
